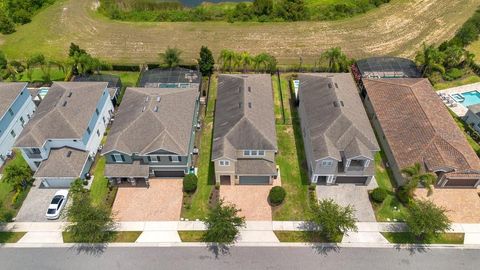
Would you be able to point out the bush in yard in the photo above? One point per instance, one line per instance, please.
(190, 183)
(18, 175)
(277, 195)
(332, 220)
(378, 195)
(403, 195)
(223, 224)
(426, 220)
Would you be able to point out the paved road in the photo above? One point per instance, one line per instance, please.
(239, 258)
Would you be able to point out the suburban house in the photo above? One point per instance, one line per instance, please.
(114, 83)
(414, 126)
(472, 117)
(339, 142)
(61, 140)
(16, 109)
(244, 136)
(152, 135)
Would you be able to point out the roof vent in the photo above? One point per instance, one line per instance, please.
(155, 109)
(240, 105)
(144, 108)
(249, 89)
(329, 85)
(158, 98)
(341, 103)
(336, 85)
(239, 89)
(249, 105)
(70, 94)
(69, 153)
(64, 103)
(147, 99)
(335, 104)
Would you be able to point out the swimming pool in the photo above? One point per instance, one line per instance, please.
(467, 98)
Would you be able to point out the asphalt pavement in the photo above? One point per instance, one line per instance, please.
(237, 258)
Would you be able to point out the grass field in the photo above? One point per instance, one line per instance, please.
(191, 236)
(398, 28)
(409, 238)
(120, 237)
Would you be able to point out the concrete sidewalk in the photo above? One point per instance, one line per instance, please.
(254, 232)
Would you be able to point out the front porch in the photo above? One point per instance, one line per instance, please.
(128, 175)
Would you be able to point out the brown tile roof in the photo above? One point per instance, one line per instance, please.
(418, 127)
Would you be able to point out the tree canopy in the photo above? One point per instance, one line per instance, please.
(426, 220)
(223, 224)
(332, 220)
(206, 62)
(171, 57)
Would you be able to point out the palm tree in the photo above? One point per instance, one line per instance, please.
(227, 58)
(430, 58)
(336, 59)
(171, 57)
(261, 60)
(246, 60)
(13, 69)
(416, 176)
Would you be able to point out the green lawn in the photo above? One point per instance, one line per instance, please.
(409, 238)
(6, 190)
(463, 81)
(10, 237)
(291, 160)
(191, 236)
(391, 209)
(56, 74)
(99, 188)
(120, 237)
(128, 78)
(199, 203)
(303, 237)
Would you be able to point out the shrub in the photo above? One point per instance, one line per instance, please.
(453, 74)
(190, 183)
(277, 195)
(403, 195)
(378, 195)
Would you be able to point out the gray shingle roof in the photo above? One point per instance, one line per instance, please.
(255, 167)
(127, 170)
(8, 94)
(144, 125)
(62, 115)
(63, 162)
(244, 117)
(475, 109)
(336, 120)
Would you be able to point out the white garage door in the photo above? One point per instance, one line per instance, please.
(57, 183)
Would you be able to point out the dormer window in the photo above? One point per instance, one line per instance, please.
(224, 162)
(327, 163)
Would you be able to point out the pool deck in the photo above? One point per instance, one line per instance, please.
(460, 110)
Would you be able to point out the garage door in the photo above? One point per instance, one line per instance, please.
(169, 173)
(351, 180)
(254, 180)
(57, 183)
(461, 182)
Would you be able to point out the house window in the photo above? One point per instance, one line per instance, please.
(103, 118)
(174, 158)
(224, 162)
(98, 133)
(153, 159)
(118, 158)
(97, 112)
(254, 153)
(261, 153)
(327, 163)
(22, 121)
(35, 151)
(13, 134)
(2, 158)
(89, 131)
(10, 111)
(246, 153)
(28, 115)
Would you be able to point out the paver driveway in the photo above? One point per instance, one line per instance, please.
(35, 205)
(251, 199)
(162, 201)
(349, 194)
(463, 205)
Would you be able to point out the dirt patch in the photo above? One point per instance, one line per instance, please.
(398, 28)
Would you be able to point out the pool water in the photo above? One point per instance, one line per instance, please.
(467, 98)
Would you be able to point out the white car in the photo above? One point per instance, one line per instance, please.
(58, 203)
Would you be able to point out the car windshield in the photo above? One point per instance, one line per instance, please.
(56, 199)
(51, 211)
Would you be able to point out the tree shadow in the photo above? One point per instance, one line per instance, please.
(320, 245)
(412, 248)
(325, 248)
(218, 249)
(89, 249)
